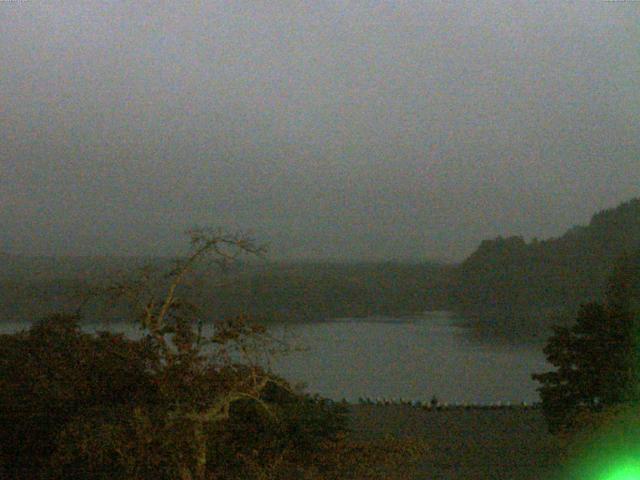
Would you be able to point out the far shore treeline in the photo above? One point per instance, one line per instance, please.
(507, 287)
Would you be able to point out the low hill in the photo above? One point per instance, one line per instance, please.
(518, 286)
(299, 291)
(512, 287)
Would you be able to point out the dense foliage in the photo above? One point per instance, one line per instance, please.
(523, 286)
(176, 404)
(597, 359)
(53, 373)
(75, 405)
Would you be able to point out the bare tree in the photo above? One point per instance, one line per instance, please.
(188, 357)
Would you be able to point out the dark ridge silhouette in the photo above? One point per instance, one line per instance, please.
(508, 288)
(517, 287)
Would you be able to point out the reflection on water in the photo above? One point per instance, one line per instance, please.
(412, 358)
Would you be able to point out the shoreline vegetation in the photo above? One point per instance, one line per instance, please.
(507, 290)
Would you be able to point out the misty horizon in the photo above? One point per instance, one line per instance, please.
(268, 258)
(368, 131)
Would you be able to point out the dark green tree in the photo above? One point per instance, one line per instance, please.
(597, 359)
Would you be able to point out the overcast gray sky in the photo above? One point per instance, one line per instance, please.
(330, 129)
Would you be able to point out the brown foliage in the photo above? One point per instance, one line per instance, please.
(176, 404)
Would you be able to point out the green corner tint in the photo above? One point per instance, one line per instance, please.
(611, 452)
(624, 471)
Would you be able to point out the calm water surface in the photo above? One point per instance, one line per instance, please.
(411, 358)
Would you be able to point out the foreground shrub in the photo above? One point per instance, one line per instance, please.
(144, 443)
(342, 458)
(289, 432)
(175, 405)
(53, 373)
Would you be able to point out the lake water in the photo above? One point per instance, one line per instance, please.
(412, 358)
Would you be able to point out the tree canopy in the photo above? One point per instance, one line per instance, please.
(519, 283)
(597, 359)
(175, 404)
(76, 405)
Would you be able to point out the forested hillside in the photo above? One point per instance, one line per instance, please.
(513, 287)
(32, 287)
(517, 285)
